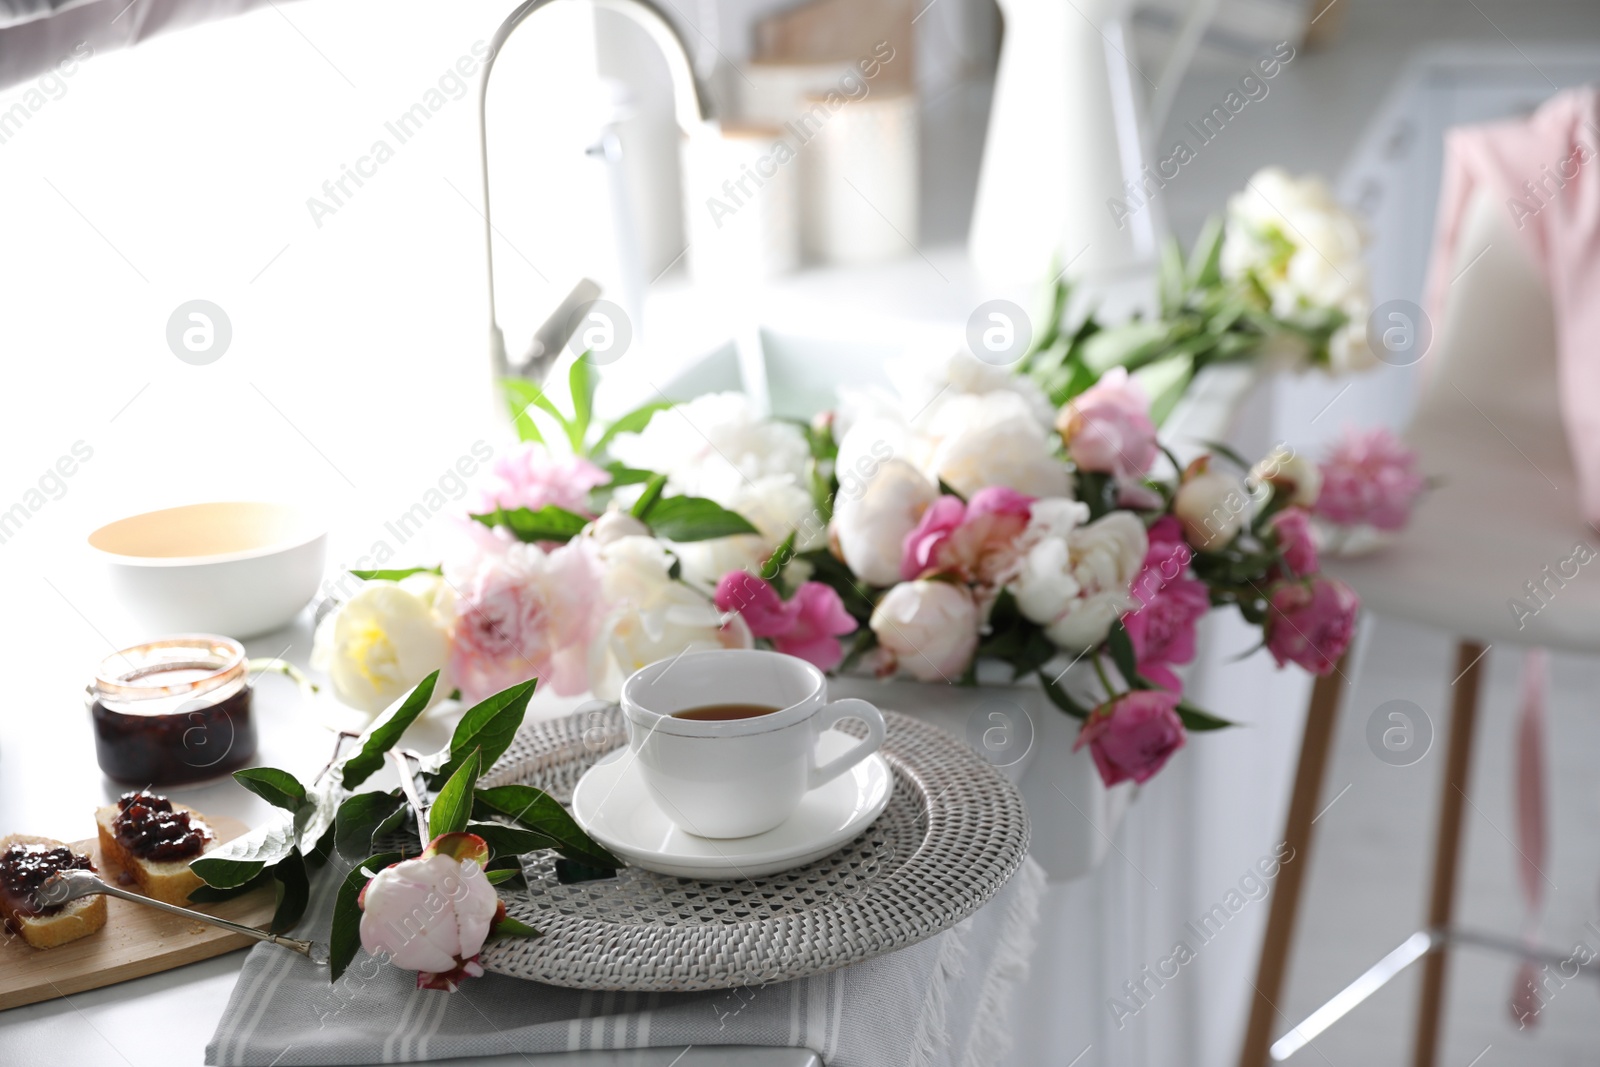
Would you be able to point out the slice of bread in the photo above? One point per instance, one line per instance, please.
(169, 881)
(78, 918)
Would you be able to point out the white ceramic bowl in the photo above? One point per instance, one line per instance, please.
(233, 568)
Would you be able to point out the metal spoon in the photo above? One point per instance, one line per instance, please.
(64, 886)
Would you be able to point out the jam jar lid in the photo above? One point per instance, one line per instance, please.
(182, 666)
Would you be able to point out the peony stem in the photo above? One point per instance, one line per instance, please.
(338, 749)
(408, 786)
(1105, 681)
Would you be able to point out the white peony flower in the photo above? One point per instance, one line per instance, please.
(1074, 579)
(993, 439)
(776, 505)
(927, 629)
(650, 616)
(869, 528)
(614, 525)
(1213, 507)
(924, 383)
(900, 421)
(384, 640)
(1305, 250)
(713, 445)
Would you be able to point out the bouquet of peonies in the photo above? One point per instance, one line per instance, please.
(971, 512)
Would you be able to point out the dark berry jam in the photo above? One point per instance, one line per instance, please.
(24, 868)
(149, 828)
(196, 741)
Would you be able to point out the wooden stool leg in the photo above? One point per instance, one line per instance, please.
(1447, 848)
(1314, 749)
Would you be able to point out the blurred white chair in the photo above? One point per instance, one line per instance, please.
(1499, 527)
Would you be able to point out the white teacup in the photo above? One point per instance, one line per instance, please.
(736, 777)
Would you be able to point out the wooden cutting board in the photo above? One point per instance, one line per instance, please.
(135, 941)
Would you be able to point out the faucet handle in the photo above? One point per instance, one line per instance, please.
(552, 336)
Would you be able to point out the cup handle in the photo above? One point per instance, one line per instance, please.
(850, 708)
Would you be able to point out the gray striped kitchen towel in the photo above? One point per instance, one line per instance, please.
(942, 1003)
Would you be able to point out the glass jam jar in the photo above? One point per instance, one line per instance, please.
(173, 711)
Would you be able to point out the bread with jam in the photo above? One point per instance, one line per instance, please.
(26, 862)
(152, 840)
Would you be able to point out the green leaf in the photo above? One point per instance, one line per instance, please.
(360, 817)
(549, 523)
(318, 856)
(647, 499)
(506, 840)
(394, 575)
(385, 731)
(315, 817)
(771, 568)
(345, 936)
(1205, 259)
(570, 873)
(865, 641)
(1060, 698)
(582, 387)
(1130, 345)
(621, 475)
(1195, 719)
(692, 518)
(509, 927)
(633, 422)
(520, 396)
(207, 894)
(1014, 639)
(293, 892)
(1171, 277)
(1060, 292)
(1165, 383)
(504, 874)
(1227, 453)
(238, 861)
(538, 811)
(453, 806)
(829, 570)
(278, 788)
(488, 727)
(1120, 646)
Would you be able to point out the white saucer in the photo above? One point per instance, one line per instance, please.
(612, 804)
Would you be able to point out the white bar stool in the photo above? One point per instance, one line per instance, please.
(1499, 526)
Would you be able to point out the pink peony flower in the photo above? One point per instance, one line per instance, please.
(1108, 429)
(530, 477)
(431, 914)
(763, 609)
(821, 622)
(1370, 478)
(1311, 621)
(1133, 735)
(1296, 541)
(976, 541)
(521, 613)
(808, 625)
(1170, 602)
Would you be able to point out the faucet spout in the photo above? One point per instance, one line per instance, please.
(691, 106)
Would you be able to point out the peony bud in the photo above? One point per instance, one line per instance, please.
(1134, 735)
(432, 914)
(1291, 474)
(1212, 507)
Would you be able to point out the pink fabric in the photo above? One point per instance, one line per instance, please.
(1532, 832)
(1545, 168)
